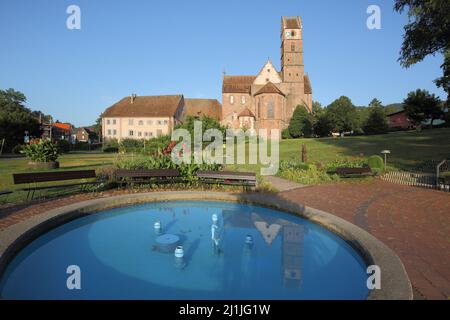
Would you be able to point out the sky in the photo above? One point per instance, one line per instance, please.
(153, 47)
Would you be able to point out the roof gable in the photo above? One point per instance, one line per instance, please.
(268, 73)
(268, 89)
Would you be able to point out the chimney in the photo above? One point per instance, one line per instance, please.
(133, 97)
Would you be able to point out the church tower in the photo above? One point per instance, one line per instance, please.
(292, 67)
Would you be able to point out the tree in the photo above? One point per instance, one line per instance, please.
(427, 33)
(420, 105)
(316, 108)
(343, 115)
(375, 103)
(297, 123)
(15, 118)
(97, 128)
(323, 125)
(376, 122)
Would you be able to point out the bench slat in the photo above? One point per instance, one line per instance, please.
(35, 177)
(227, 175)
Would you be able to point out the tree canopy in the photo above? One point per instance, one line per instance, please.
(427, 33)
(420, 105)
(15, 118)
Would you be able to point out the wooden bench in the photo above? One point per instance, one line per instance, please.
(245, 179)
(131, 177)
(354, 172)
(34, 178)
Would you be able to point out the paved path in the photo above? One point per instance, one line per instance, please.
(414, 222)
(282, 184)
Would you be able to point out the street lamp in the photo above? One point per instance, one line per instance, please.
(385, 152)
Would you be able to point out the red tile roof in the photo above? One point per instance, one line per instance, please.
(308, 89)
(145, 106)
(237, 84)
(269, 88)
(246, 113)
(63, 126)
(202, 107)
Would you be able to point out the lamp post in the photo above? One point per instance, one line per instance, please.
(385, 152)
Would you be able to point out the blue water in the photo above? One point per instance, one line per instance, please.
(290, 258)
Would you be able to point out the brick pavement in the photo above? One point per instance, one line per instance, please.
(414, 222)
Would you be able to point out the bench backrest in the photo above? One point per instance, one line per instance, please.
(227, 175)
(34, 177)
(149, 173)
(352, 170)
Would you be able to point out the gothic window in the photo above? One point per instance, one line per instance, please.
(242, 99)
(232, 99)
(270, 112)
(292, 46)
(292, 33)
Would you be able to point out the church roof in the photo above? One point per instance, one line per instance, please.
(308, 89)
(237, 84)
(145, 106)
(202, 107)
(269, 88)
(292, 22)
(246, 113)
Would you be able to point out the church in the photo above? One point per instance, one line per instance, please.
(268, 100)
(265, 101)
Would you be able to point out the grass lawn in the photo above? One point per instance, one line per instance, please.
(408, 149)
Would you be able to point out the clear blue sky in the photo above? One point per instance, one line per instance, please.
(168, 47)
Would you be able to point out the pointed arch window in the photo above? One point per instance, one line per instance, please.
(270, 111)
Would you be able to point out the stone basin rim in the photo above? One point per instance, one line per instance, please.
(395, 284)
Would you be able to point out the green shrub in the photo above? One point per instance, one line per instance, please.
(63, 146)
(41, 150)
(376, 163)
(285, 134)
(131, 145)
(111, 145)
(154, 145)
(345, 163)
(312, 175)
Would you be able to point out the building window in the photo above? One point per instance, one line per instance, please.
(114, 132)
(141, 123)
(139, 134)
(149, 122)
(166, 122)
(159, 122)
(150, 134)
(292, 46)
(109, 133)
(159, 132)
(131, 133)
(270, 112)
(114, 121)
(292, 33)
(232, 99)
(242, 99)
(130, 122)
(108, 121)
(268, 70)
